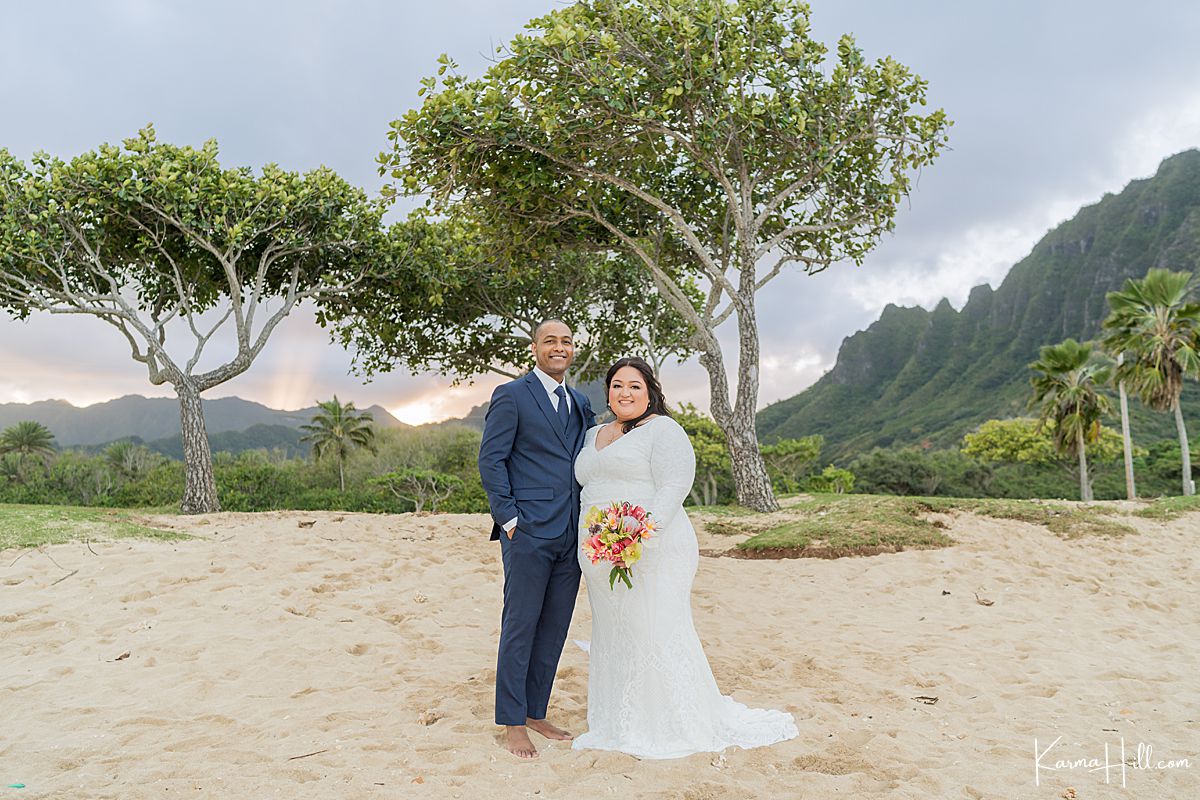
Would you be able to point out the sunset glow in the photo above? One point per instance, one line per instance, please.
(424, 410)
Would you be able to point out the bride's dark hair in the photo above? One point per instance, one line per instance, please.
(658, 401)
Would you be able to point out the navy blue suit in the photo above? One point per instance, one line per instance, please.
(526, 463)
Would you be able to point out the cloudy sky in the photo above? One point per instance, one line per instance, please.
(1055, 103)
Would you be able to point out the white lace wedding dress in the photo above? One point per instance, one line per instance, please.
(651, 692)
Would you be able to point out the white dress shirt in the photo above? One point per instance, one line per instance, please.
(550, 385)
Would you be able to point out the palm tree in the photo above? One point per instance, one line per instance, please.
(27, 438)
(1066, 387)
(130, 460)
(337, 430)
(1157, 324)
(1126, 438)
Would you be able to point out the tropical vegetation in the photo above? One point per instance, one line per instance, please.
(1067, 385)
(163, 244)
(1155, 324)
(701, 140)
(924, 378)
(336, 430)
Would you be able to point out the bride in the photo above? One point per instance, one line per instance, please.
(651, 692)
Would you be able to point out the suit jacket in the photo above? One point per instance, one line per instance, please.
(527, 462)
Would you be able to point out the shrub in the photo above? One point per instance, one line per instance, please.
(831, 480)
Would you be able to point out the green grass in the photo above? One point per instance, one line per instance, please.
(1068, 521)
(849, 524)
(1170, 507)
(724, 528)
(834, 525)
(36, 525)
(724, 511)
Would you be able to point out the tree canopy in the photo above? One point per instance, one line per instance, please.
(157, 239)
(470, 302)
(27, 438)
(1023, 440)
(336, 430)
(1067, 382)
(718, 125)
(1155, 323)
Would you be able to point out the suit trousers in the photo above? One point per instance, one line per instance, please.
(541, 582)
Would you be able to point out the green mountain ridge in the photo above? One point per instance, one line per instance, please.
(928, 377)
(154, 418)
(256, 437)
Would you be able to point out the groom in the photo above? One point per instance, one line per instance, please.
(532, 432)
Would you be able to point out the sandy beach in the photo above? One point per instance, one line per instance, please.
(354, 657)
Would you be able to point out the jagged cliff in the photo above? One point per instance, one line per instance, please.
(919, 376)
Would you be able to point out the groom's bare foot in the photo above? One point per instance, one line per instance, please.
(548, 730)
(516, 739)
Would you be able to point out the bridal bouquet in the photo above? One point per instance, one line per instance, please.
(615, 535)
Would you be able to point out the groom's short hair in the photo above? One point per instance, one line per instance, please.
(537, 332)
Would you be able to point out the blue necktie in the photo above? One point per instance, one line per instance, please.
(562, 406)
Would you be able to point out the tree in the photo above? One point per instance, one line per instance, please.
(10, 468)
(27, 438)
(715, 123)
(470, 304)
(1156, 323)
(831, 480)
(713, 470)
(909, 471)
(420, 486)
(1024, 440)
(22, 441)
(1066, 387)
(153, 238)
(1126, 436)
(131, 461)
(1021, 440)
(336, 430)
(1160, 462)
(918, 471)
(789, 460)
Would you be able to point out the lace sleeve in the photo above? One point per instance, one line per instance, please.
(673, 466)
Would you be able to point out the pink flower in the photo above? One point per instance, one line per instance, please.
(615, 529)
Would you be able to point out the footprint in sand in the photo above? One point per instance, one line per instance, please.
(432, 646)
(302, 775)
(827, 765)
(34, 626)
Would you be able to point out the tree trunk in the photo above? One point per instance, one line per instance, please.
(749, 473)
(341, 475)
(199, 486)
(1085, 485)
(1189, 487)
(750, 478)
(1127, 442)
